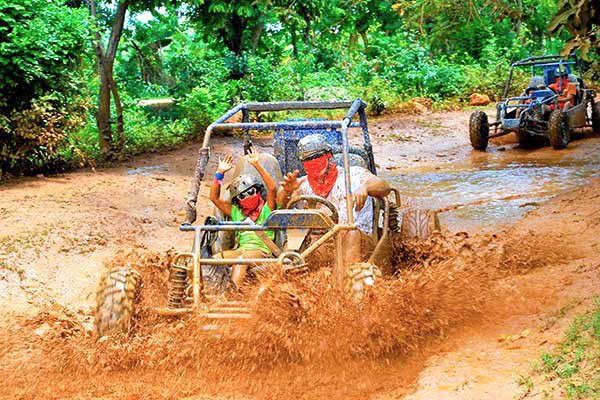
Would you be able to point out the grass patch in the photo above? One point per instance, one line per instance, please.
(560, 314)
(10, 268)
(575, 363)
(431, 124)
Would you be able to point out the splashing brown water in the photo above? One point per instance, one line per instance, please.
(300, 323)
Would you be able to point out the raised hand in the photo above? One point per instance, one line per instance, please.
(291, 182)
(253, 156)
(225, 164)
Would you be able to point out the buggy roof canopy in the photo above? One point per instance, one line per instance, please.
(548, 59)
(245, 108)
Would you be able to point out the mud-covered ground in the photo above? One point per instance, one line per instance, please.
(470, 311)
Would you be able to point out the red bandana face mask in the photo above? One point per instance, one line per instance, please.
(252, 206)
(322, 174)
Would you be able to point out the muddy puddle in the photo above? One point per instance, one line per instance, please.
(497, 187)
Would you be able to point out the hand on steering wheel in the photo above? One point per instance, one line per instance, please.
(311, 201)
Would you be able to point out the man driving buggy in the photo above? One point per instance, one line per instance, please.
(326, 179)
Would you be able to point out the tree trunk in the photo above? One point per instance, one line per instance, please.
(103, 113)
(144, 63)
(238, 25)
(308, 33)
(294, 41)
(256, 32)
(105, 60)
(103, 116)
(365, 40)
(119, 140)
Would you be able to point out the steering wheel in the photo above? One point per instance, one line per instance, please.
(312, 202)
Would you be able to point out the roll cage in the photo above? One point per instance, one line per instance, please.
(548, 63)
(354, 107)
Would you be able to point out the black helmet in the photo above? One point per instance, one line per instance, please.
(241, 183)
(313, 145)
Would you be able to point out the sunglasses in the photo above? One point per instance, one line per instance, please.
(314, 156)
(248, 193)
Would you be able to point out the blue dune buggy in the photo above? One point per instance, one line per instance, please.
(541, 110)
(198, 281)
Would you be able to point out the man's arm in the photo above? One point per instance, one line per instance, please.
(372, 186)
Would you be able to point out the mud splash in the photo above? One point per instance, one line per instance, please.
(301, 324)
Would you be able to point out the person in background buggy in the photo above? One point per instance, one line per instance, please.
(566, 90)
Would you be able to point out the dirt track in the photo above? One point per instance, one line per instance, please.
(57, 232)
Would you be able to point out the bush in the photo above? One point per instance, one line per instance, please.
(32, 138)
(203, 105)
(41, 44)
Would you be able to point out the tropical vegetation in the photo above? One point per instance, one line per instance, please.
(73, 72)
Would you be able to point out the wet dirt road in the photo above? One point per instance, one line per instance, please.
(485, 190)
(57, 232)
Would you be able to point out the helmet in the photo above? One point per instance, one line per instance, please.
(561, 72)
(313, 145)
(241, 183)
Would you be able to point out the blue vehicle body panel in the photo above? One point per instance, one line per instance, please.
(285, 143)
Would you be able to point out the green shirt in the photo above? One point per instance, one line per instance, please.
(248, 240)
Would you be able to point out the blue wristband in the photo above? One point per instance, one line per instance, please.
(219, 176)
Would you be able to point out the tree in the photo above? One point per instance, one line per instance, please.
(110, 144)
(41, 53)
(237, 24)
(582, 19)
(296, 14)
(41, 45)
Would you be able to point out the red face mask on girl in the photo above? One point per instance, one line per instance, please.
(322, 174)
(252, 205)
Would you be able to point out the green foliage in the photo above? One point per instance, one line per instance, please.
(143, 133)
(575, 361)
(41, 44)
(146, 134)
(210, 55)
(203, 105)
(33, 138)
(582, 19)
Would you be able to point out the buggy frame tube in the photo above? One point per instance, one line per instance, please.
(356, 106)
(198, 292)
(384, 233)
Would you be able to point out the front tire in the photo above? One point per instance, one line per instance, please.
(479, 130)
(358, 278)
(419, 223)
(116, 299)
(559, 132)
